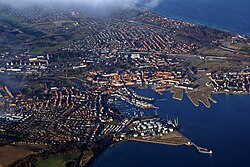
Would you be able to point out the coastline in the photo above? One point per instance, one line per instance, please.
(199, 22)
(178, 94)
(200, 131)
(196, 99)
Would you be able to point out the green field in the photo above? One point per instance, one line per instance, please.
(56, 161)
(246, 51)
(28, 30)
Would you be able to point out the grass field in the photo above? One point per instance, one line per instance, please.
(28, 30)
(246, 50)
(11, 153)
(173, 138)
(56, 161)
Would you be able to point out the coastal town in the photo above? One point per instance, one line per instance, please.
(65, 94)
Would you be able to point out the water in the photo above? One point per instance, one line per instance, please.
(231, 15)
(224, 128)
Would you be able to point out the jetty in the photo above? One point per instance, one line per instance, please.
(178, 94)
(202, 150)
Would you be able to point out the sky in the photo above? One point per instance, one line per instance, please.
(103, 6)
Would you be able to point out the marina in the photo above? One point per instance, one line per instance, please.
(199, 124)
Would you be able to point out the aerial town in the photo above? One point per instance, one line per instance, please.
(60, 84)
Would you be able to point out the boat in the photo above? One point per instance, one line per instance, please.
(205, 151)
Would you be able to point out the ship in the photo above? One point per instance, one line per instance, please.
(205, 151)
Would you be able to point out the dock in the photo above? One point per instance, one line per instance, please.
(178, 94)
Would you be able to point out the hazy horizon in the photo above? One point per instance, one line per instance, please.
(92, 7)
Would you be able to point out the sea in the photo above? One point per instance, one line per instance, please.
(224, 127)
(228, 15)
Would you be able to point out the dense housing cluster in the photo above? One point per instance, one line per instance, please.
(236, 82)
(33, 14)
(134, 35)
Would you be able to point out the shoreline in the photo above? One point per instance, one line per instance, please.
(204, 24)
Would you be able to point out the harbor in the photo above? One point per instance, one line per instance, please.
(198, 125)
(131, 97)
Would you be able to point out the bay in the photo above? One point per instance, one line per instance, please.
(224, 128)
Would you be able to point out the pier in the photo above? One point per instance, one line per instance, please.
(178, 94)
(202, 150)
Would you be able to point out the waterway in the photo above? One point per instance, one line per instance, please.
(224, 128)
(231, 15)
